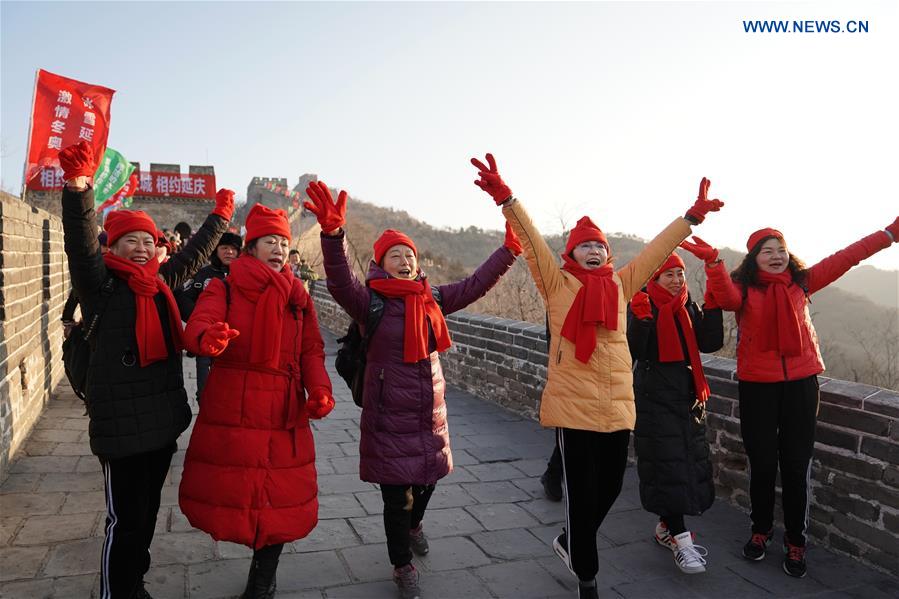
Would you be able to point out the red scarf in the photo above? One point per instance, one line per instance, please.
(271, 292)
(142, 279)
(419, 304)
(780, 329)
(596, 303)
(670, 350)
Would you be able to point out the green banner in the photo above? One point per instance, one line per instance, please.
(111, 176)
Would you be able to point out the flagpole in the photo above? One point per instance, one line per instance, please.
(30, 127)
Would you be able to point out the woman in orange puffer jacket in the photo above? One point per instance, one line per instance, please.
(778, 363)
(589, 394)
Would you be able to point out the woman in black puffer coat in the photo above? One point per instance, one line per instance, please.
(135, 386)
(666, 331)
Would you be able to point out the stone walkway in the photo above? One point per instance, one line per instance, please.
(489, 525)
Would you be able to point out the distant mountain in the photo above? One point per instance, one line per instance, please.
(879, 286)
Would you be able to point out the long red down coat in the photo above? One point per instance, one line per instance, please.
(249, 474)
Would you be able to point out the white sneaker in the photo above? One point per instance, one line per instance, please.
(689, 557)
(560, 546)
(663, 536)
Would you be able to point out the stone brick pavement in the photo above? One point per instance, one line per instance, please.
(489, 525)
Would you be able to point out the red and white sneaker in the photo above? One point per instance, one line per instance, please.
(663, 536)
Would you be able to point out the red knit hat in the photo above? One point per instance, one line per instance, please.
(120, 222)
(673, 261)
(761, 234)
(390, 238)
(264, 221)
(585, 230)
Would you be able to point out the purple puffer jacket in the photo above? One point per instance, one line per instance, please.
(405, 439)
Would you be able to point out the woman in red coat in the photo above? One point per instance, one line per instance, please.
(778, 363)
(249, 474)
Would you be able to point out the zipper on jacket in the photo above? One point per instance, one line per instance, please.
(380, 412)
(559, 357)
(783, 362)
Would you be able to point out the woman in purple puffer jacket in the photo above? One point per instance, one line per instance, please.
(405, 440)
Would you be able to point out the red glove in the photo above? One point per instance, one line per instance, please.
(224, 203)
(77, 161)
(320, 403)
(703, 204)
(331, 215)
(490, 180)
(701, 250)
(512, 242)
(894, 230)
(215, 339)
(640, 306)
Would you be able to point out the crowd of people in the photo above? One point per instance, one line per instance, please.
(624, 345)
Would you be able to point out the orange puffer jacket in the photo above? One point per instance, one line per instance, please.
(598, 395)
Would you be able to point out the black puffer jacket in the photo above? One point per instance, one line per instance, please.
(132, 409)
(673, 460)
(187, 295)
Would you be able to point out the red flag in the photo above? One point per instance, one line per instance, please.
(65, 112)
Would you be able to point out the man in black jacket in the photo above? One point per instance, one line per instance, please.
(135, 387)
(228, 249)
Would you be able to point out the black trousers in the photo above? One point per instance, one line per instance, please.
(777, 422)
(404, 508)
(204, 363)
(593, 465)
(133, 487)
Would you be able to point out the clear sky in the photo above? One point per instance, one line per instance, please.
(613, 109)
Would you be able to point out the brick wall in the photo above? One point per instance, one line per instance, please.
(34, 284)
(855, 470)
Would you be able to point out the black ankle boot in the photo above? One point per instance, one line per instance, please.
(264, 583)
(251, 579)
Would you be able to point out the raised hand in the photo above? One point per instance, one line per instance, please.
(512, 242)
(490, 180)
(701, 250)
(319, 404)
(331, 215)
(224, 203)
(77, 161)
(215, 339)
(640, 306)
(703, 204)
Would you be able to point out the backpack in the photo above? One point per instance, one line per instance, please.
(352, 355)
(76, 348)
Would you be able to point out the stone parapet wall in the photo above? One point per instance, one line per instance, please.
(855, 471)
(34, 284)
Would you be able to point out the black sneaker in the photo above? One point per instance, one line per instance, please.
(794, 560)
(587, 590)
(757, 546)
(560, 546)
(141, 592)
(552, 486)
